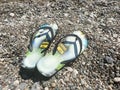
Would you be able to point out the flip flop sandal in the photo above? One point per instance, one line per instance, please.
(63, 53)
(39, 43)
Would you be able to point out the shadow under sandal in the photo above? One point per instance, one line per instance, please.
(39, 43)
(65, 51)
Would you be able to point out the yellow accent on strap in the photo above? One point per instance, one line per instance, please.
(28, 52)
(82, 34)
(44, 45)
(61, 48)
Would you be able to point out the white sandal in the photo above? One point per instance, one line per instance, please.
(64, 52)
(39, 43)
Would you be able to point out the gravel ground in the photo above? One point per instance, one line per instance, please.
(98, 68)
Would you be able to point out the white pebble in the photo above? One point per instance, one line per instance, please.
(24, 16)
(6, 20)
(53, 85)
(75, 72)
(62, 81)
(16, 82)
(118, 39)
(46, 15)
(115, 35)
(117, 79)
(110, 88)
(12, 14)
(83, 63)
(66, 14)
(46, 88)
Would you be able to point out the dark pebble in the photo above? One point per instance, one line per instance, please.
(109, 60)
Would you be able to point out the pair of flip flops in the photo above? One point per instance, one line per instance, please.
(66, 50)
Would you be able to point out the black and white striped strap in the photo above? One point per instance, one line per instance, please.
(70, 42)
(48, 38)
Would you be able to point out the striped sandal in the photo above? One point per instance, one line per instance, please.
(63, 53)
(39, 43)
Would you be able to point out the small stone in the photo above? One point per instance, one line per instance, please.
(89, 88)
(23, 17)
(66, 79)
(62, 81)
(75, 72)
(48, 4)
(118, 39)
(46, 88)
(46, 15)
(109, 60)
(22, 86)
(70, 84)
(83, 82)
(65, 73)
(35, 86)
(117, 74)
(0, 87)
(53, 85)
(6, 20)
(117, 79)
(110, 88)
(5, 88)
(83, 63)
(66, 14)
(16, 82)
(69, 69)
(12, 14)
(92, 15)
(115, 35)
(27, 88)
(86, 13)
(70, 22)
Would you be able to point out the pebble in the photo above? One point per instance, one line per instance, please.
(6, 20)
(74, 73)
(23, 17)
(115, 35)
(69, 69)
(83, 63)
(62, 81)
(5, 88)
(66, 14)
(118, 39)
(117, 73)
(22, 86)
(110, 88)
(65, 73)
(46, 88)
(109, 60)
(27, 88)
(53, 85)
(117, 79)
(36, 86)
(70, 22)
(66, 79)
(83, 82)
(70, 85)
(16, 82)
(93, 15)
(0, 87)
(45, 15)
(12, 14)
